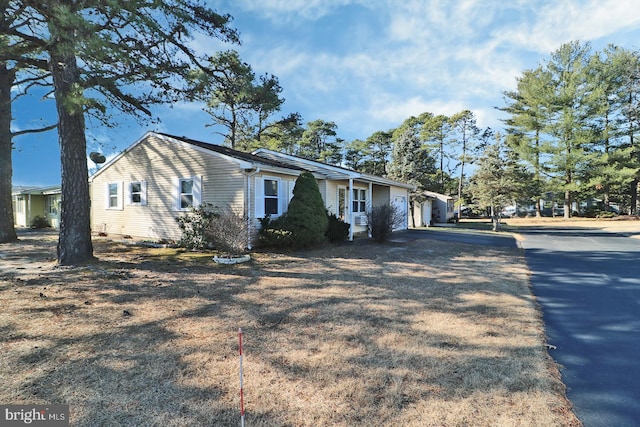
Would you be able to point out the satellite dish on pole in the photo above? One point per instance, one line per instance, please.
(97, 158)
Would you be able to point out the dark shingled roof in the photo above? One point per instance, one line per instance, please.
(233, 153)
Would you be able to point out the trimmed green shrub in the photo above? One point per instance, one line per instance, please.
(306, 216)
(337, 230)
(305, 222)
(381, 221)
(273, 233)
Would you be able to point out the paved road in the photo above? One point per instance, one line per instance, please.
(588, 284)
(463, 236)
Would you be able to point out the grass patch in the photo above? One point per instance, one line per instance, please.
(404, 334)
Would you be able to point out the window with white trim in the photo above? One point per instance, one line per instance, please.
(52, 205)
(359, 200)
(271, 201)
(19, 204)
(272, 196)
(114, 195)
(188, 193)
(137, 194)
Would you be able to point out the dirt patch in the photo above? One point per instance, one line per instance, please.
(411, 333)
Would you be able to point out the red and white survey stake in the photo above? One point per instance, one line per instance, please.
(241, 389)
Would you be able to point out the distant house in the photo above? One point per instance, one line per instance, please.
(159, 177)
(437, 208)
(32, 202)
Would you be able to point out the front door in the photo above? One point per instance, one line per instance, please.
(342, 203)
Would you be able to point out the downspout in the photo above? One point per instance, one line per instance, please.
(249, 173)
(370, 206)
(350, 208)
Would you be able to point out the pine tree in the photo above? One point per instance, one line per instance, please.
(98, 53)
(498, 182)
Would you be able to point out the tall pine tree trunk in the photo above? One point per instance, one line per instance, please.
(7, 230)
(74, 242)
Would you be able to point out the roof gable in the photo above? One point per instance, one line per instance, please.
(242, 159)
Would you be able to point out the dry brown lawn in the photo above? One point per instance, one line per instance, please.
(411, 333)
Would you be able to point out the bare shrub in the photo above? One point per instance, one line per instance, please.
(381, 220)
(228, 231)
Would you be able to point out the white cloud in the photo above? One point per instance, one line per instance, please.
(556, 22)
(288, 10)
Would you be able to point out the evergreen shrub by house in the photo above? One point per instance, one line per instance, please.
(39, 222)
(305, 222)
(337, 230)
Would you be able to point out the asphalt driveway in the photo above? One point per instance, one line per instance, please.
(588, 284)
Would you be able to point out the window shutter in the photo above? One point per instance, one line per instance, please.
(283, 198)
(197, 191)
(127, 195)
(143, 193)
(259, 197)
(106, 195)
(292, 184)
(176, 193)
(120, 195)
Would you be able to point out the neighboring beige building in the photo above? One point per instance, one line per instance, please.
(140, 192)
(32, 202)
(437, 208)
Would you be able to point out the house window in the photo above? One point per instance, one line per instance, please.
(20, 204)
(359, 202)
(271, 197)
(112, 195)
(186, 193)
(137, 194)
(51, 205)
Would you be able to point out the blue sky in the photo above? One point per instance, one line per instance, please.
(366, 65)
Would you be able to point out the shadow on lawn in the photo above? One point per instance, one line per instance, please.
(340, 336)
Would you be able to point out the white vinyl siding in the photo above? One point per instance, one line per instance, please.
(158, 164)
(114, 196)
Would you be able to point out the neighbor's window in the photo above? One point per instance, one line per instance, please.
(113, 196)
(186, 193)
(271, 197)
(51, 205)
(359, 201)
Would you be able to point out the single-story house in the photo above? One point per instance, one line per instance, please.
(141, 191)
(437, 208)
(32, 202)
